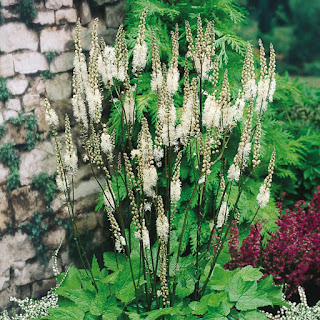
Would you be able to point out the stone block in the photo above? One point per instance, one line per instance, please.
(16, 36)
(40, 288)
(37, 86)
(16, 134)
(52, 238)
(86, 188)
(44, 17)
(64, 16)
(4, 172)
(62, 63)
(5, 216)
(13, 104)
(30, 62)
(6, 66)
(85, 13)
(17, 85)
(31, 272)
(10, 114)
(14, 248)
(7, 3)
(59, 88)
(40, 114)
(87, 222)
(40, 159)
(57, 4)
(25, 202)
(115, 15)
(9, 14)
(31, 101)
(52, 39)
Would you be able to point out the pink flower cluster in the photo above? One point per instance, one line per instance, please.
(292, 254)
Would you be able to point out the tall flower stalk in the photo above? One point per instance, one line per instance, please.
(141, 162)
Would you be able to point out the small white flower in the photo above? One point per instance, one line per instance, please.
(162, 227)
(234, 173)
(250, 89)
(108, 199)
(173, 80)
(175, 191)
(211, 112)
(147, 206)
(106, 143)
(223, 214)
(139, 57)
(71, 162)
(156, 81)
(202, 179)
(263, 196)
(145, 237)
(52, 118)
(150, 178)
(272, 90)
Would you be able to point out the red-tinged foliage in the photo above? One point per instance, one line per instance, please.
(292, 254)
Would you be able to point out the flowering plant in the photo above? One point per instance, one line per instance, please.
(291, 254)
(154, 271)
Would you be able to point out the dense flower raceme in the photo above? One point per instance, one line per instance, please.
(292, 254)
(143, 183)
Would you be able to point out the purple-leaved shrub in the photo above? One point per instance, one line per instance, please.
(292, 254)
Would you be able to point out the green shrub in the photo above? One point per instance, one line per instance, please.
(46, 185)
(2, 130)
(9, 157)
(27, 11)
(46, 75)
(50, 55)
(5, 94)
(36, 229)
(30, 122)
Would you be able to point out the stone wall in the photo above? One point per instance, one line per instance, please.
(31, 76)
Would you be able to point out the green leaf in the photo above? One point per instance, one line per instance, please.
(89, 316)
(95, 267)
(220, 278)
(80, 297)
(246, 295)
(111, 278)
(155, 314)
(249, 273)
(67, 313)
(113, 261)
(185, 284)
(104, 305)
(274, 293)
(133, 316)
(250, 315)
